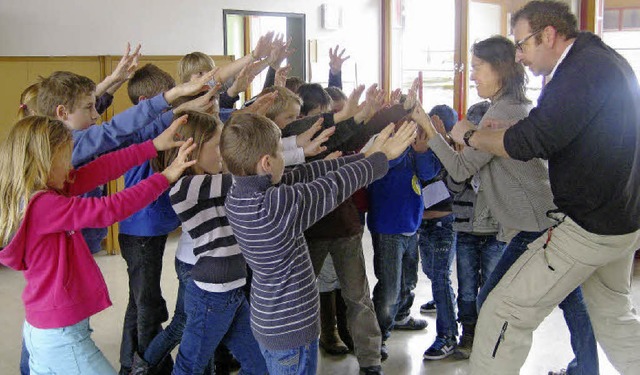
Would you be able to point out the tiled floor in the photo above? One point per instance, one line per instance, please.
(550, 350)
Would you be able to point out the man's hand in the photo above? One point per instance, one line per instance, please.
(336, 60)
(351, 107)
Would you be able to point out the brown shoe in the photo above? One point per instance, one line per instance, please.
(329, 339)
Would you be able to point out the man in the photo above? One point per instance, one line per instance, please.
(587, 124)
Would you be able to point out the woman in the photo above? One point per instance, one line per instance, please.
(517, 193)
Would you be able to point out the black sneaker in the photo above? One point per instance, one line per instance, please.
(441, 348)
(561, 372)
(428, 308)
(372, 370)
(411, 324)
(384, 352)
(463, 351)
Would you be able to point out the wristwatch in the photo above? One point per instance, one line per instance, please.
(467, 136)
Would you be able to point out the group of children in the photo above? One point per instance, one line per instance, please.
(263, 194)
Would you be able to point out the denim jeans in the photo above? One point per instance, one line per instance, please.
(67, 350)
(170, 337)
(436, 239)
(573, 307)
(213, 318)
(146, 310)
(299, 361)
(395, 264)
(477, 256)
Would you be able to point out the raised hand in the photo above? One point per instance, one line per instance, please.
(424, 121)
(279, 52)
(127, 64)
(263, 47)
(315, 147)
(193, 87)
(181, 162)
(421, 144)
(207, 103)
(395, 97)
(373, 103)
(304, 138)
(333, 155)
(244, 78)
(261, 105)
(412, 96)
(351, 107)
(394, 146)
(167, 139)
(281, 76)
(336, 60)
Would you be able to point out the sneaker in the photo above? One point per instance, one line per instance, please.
(372, 370)
(428, 308)
(561, 372)
(384, 352)
(411, 324)
(441, 348)
(463, 351)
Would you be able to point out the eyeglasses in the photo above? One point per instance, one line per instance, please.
(520, 44)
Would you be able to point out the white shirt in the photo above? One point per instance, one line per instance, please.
(564, 54)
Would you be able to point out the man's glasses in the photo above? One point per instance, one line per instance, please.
(520, 44)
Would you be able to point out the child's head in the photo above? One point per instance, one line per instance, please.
(285, 108)
(205, 130)
(148, 82)
(338, 98)
(69, 98)
(250, 145)
(194, 65)
(293, 83)
(35, 156)
(314, 99)
(448, 115)
(29, 101)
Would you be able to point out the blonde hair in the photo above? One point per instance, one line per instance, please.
(29, 101)
(25, 159)
(245, 139)
(194, 63)
(62, 88)
(201, 127)
(284, 99)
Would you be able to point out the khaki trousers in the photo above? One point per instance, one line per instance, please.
(541, 279)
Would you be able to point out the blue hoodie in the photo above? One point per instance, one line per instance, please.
(138, 123)
(395, 201)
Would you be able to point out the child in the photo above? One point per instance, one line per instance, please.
(40, 219)
(268, 222)
(28, 101)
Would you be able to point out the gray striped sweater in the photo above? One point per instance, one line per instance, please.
(199, 202)
(269, 222)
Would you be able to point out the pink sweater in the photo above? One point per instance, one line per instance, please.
(64, 283)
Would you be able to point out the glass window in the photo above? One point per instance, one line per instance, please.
(631, 19)
(611, 19)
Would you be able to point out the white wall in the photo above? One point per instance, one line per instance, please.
(172, 27)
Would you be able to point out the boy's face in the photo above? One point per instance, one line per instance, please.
(83, 114)
(209, 159)
(277, 165)
(287, 116)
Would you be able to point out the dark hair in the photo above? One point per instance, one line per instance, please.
(500, 53)
(541, 14)
(335, 93)
(293, 83)
(448, 115)
(476, 112)
(313, 96)
(149, 81)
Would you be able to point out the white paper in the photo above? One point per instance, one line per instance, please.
(434, 193)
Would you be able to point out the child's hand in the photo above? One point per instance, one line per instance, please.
(304, 138)
(333, 155)
(421, 144)
(373, 103)
(315, 146)
(263, 47)
(395, 97)
(244, 78)
(207, 103)
(351, 107)
(394, 146)
(127, 65)
(181, 162)
(412, 96)
(191, 88)
(424, 121)
(281, 76)
(167, 139)
(336, 60)
(261, 105)
(279, 51)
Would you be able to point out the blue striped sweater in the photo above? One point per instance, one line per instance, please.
(268, 222)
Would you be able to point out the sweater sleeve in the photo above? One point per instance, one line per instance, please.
(309, 202)
(56, 213)
(108, 167)
(310, 171)
(460, 166)
(98, 139)
(103, 102)
(190, 190)
(270, 79)
(335, 80)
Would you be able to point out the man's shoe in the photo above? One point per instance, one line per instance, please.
(411, 324)
(372, 370)
(441, 348)
(561, 372)
(463, 351)
(384, 352)
(428, 308)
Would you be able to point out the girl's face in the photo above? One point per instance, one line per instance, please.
(210, 160)
(487, 80)
(60, 167)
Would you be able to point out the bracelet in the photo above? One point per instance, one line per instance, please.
(253, 56)
(467, 137)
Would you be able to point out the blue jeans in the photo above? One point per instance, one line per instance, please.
(395, 264)
(170, 337)
(66, 350)
(583, 341)
(477, 256)
(299, 361)
(437, 251)
(213, 318)
(146, 310)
